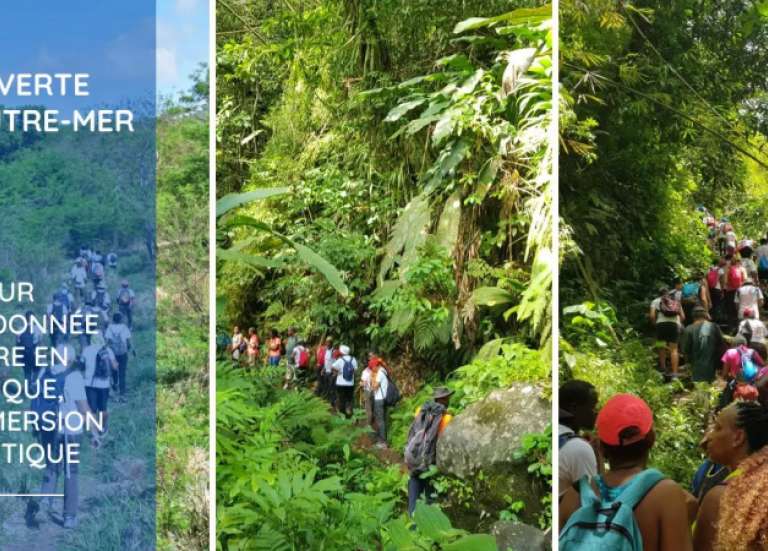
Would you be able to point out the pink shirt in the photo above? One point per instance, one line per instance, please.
(732, 359)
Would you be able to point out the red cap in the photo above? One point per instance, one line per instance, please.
(622, 412)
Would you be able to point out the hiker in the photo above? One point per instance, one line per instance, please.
(693, 293)
(344, 369)
(79, 278)
(327, 377)
(29, 340)
(125, 301)
(746, 254)
(730, 240)
(667, 316)
(112, 260)
(70, 385)
(742, 367)
(275, 346)
(59, 311)
(100, 297)
(253, 347)
(320, 387)
(379, 387)
(429, 423)
(748, 296)
(721, 233)
(290, 343)
(118, 336)
(100, 363)
(754, 331)
(732, 514)
(367, 394)
(762, 260)
(97, 271)
(577, 455)
(715, 288)
(236, 344)
(300, 360)
(702, 344)
(653, 512)
(733, 280)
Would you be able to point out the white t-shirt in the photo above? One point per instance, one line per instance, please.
(120, 331)
(74, 388)
(660, 316)
(730, 239)
(89, 355)
(762, 250)
(383, 380)
(577, 458)
(78, 275)
(759, 331)
(338, 365)
(297, 353)
(328, 364)
(747, 297)
(365, 379)
(749, 265)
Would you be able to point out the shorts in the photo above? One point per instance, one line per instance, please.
(667, 331)
(97, 398)
(274, 360)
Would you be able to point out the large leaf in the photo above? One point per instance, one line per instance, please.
(250, 259)
(472, 542)
(448, 227)
(400, 110)
(432, 522)
(234, 200)
(522, 16)
(491, 296)
(409, 233)
(323, 266)
(448, 160)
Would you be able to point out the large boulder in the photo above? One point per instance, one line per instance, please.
(518, 536)
(483, 439)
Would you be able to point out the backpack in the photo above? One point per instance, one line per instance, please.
(713, 277)
(748, 367)
(118, 344)
(304, 358)
(735, 278)
(762, 264)
(348, 370)
(98, 270)
(40, 404)
(602, 524)
(124, 296)
(669, 306)
(393, 395)
(421, 447)
(563, 439)
(320, 356)
(103, 364)
(691, 291)
(57, 311)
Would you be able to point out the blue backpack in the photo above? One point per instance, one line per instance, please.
(602, 524)
(691, 290)
(762, 264)
(348, 371)
(748, 368)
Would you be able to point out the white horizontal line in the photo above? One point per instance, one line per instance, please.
(31, 495)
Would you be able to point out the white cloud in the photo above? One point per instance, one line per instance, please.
(167, 67)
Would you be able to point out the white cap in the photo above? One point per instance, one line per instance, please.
(344, 349)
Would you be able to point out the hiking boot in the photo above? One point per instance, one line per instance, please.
(70, 522)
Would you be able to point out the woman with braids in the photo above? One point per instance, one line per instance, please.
(734, 515)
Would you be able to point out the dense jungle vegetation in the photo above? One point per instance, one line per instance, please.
(384, 178)
(182, 325)
(663, 108)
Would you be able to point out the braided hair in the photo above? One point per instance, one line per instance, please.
(753, 418)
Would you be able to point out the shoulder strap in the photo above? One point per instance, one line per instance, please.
(587, 496)
(639, 487)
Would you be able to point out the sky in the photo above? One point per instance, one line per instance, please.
(182, 42)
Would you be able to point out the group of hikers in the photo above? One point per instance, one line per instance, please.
(333, 371)
(87, 366)
(609, 498)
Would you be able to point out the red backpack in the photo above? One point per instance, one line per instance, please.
(304, 358)
(735, 278)
(713, 276)
(320, 356)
